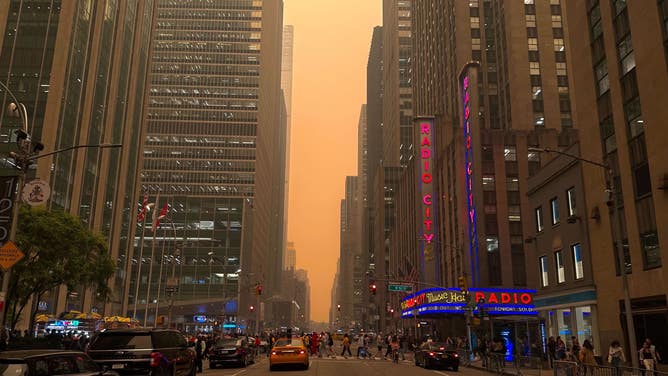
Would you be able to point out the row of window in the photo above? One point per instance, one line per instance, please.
(554, 210)
(560, 267)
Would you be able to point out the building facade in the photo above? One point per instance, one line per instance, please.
(80, 68)
(620, 95)
(214, 159)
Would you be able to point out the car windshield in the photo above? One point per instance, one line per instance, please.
(113, 341)
(289, 342)
(227, 342)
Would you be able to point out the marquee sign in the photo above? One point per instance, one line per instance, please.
(498, 301)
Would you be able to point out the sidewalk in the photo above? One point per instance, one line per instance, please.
(511, 370)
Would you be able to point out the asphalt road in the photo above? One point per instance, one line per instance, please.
(342, 367)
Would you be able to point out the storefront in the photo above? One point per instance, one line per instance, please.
(571, 314)
(496, 313)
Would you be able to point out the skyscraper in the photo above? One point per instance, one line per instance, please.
(212, 117)
(79, 67)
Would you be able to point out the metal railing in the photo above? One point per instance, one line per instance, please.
(561, 368)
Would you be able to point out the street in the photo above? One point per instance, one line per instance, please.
(340, 367)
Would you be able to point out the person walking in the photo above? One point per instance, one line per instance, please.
(199, 353)
(330, 345)
(616, 354)
(551, 350)
(346, 346)
(314, 343)
(586, 357)
(647, 357)
(361, 349)
(560, 349)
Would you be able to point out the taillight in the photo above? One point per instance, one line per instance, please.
(155, 359)
(273, 353)
(301, 351)
(455, 355)
(431, 354)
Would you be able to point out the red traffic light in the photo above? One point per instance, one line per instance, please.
(373, 288)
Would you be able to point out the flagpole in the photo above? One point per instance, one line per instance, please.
(150, 273)
(157, 300)
(139, 265)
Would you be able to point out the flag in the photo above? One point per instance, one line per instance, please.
(159, 216)
(142, 213)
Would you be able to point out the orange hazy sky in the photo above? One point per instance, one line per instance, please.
(331, 48)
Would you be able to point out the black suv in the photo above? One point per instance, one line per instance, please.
(143, 352)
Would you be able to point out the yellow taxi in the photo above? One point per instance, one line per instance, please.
(288, 351)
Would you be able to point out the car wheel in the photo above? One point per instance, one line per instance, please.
(272, 368)
(455, 368)
(305, 366)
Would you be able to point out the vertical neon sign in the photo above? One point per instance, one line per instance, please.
(468, 168)
(426, 138)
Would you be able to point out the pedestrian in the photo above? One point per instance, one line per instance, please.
(616, 354)
(560, 349)
(647, 357)
(586, 357)
(551, 350)
(199, 353)
(330, 345)
(314, 343)
(575, 349)
(657, 356)
(346, 346)
(360, 346)
(379, 344)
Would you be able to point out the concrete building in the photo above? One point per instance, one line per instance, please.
(559, 251)
(620, 95)
(80, 68)
(215, 154)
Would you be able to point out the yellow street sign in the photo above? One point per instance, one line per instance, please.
(10, 254)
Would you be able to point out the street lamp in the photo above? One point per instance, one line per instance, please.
(616, 236)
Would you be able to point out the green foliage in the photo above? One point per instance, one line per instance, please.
(59, 250)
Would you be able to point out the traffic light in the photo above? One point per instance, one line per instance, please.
(338, 307)
(251, 309)
(373, 288)
(258, 289)
(462, 283)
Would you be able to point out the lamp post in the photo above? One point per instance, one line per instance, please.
(616, 236)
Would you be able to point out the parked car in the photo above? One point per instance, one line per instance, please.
(231, 351)
(434, 354)
(48, 362)
(143, 352)
(288, 351)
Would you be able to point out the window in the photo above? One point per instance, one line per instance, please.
(554, 208)
(561, 271)
(539, 219)
(572, 206)
(534, 67)
(576, 250)
(542, 262)
(532, 44)
(559, 44)
(510, 153)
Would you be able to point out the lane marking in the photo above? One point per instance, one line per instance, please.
(441, 373)
(238, 373)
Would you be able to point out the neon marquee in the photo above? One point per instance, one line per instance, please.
(452, 300)
(469, 171)
(426, 178)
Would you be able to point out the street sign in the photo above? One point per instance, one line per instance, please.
(171, 289)
(10, 254)
(399, 287)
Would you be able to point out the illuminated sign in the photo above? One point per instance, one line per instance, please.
(452, 300)
(63, 324)
(199, 318)
(469, 171)
(426, 137)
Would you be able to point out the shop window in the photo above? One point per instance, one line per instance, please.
(542, 264)
(539, 219)
(561, 270)
(584, 323)
(554, 210)
(578, 264)
(564, 326)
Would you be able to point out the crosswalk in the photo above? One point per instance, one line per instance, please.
(350, 358)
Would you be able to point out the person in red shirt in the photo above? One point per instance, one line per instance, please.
(314, 343)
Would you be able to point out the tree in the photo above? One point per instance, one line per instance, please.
(59, 250)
